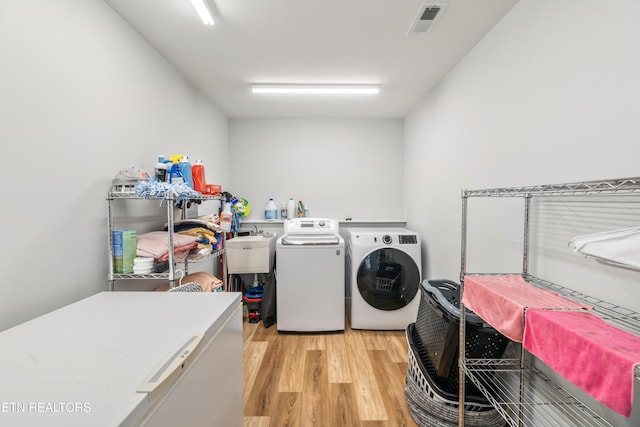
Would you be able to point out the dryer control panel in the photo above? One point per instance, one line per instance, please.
(408, 239)
(392, 237)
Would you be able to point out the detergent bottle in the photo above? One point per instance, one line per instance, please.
(271, 210)
(185, 170)
(225, 218)
(197, 173)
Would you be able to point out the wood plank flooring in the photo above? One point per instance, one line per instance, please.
(355, 378)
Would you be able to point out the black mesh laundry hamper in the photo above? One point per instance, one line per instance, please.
(437, 330)
(430, 406)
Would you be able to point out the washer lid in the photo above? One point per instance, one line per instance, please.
(310, 239)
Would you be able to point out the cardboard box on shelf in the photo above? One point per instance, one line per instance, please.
(123, 249)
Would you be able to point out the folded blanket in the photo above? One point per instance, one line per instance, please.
(501, 300)
(200, 233)
(180, 252)
(155, 244)
(592, 354)
(211, 222)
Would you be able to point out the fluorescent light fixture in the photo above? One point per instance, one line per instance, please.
(203, 10)
(317, 89)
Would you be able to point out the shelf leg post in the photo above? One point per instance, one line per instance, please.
(526, 243)
(169, 200)
(525, 273)
(110, 242)
(462, 328)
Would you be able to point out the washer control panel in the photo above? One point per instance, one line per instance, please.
(311, 226)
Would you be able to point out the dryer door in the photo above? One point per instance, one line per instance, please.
(388, 279)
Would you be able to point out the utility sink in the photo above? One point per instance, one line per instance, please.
(250, 254)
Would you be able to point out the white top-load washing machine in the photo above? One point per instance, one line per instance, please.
(310, 276)
(383, 273)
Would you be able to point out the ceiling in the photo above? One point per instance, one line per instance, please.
(304, 41)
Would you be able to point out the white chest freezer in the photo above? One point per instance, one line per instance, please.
(125, 359)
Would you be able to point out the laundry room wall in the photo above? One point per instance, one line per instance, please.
(550, 95)
(83, 96)
(341, 167)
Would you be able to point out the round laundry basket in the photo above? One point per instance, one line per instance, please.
(431, 406)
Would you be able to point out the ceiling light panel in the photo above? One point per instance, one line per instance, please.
(203, 10)
(316, 89)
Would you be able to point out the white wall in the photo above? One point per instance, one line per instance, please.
(83, 96)
(340, 167)
(551, 94)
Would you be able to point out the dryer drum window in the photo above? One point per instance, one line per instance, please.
(388, 279)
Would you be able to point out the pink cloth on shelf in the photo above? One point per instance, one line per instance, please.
(592, 354)
(501, 300)
(155, 244)
(180, 253)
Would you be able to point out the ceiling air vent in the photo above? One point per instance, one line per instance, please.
(427, 16)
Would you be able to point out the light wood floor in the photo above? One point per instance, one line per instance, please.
(355, 378)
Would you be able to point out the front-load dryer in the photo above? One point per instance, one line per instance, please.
(383, 275)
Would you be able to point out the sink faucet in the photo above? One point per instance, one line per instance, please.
(254, 230)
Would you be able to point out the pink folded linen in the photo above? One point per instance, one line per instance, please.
(592, 354)
(501, 300)
(155, 244)
(180, 253)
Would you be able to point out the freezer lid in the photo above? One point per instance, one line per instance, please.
(310, 239)
(109, 343)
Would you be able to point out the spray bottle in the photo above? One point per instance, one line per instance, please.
(175, 176)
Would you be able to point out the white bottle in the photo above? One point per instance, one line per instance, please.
(161, 169)
(271, 210)
(225, 218)
(291, 209)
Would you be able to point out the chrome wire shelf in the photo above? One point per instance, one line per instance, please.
(183, 265)
(612, 186)
(522, 394)
(174, 265)
(111, 195)
(616, 315)
(544, 403)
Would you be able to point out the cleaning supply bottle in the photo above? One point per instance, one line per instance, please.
(291, 209)
(185, 170)
(161, 169)
(271, 210)
(175, 176)
(225, 218)
(283, 211)
(197, 174)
